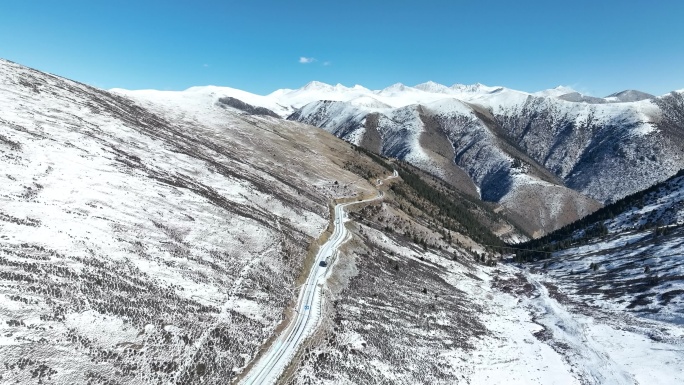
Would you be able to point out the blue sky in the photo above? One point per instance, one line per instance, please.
(597, 47)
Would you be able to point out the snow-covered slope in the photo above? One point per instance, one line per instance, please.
(202, 96)
(628, 256)
(149, 245)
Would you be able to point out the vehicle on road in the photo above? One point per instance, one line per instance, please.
(279, 355)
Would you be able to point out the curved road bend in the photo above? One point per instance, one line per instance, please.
(271, 365)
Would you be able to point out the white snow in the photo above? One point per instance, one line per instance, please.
(555, 92)
(285, 101)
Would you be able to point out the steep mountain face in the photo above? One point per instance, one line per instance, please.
(603, 151)
(516, 147)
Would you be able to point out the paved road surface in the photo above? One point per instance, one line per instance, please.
(309, 303)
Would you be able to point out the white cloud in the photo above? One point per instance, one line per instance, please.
(306, 60)
(205, 65)
(327, 63)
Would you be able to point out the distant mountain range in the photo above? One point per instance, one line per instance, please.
(548, 157)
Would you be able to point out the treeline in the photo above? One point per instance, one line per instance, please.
(593, 225)
(375, 157)
(453, 211)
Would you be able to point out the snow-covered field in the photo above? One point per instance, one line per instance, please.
(597, 342)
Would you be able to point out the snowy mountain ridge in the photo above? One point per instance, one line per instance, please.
(285, 101)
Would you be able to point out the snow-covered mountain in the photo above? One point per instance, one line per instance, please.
(507, 141)
(285, 101)
(162, 237)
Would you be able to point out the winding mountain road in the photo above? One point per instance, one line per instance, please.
(309, 304)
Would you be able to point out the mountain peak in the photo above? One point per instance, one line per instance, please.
(629, 96)
(316, 85)
(564, 88)
(396, 87)
(469, 87)
(434, 87)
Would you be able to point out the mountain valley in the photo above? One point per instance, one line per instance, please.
(166, 236)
